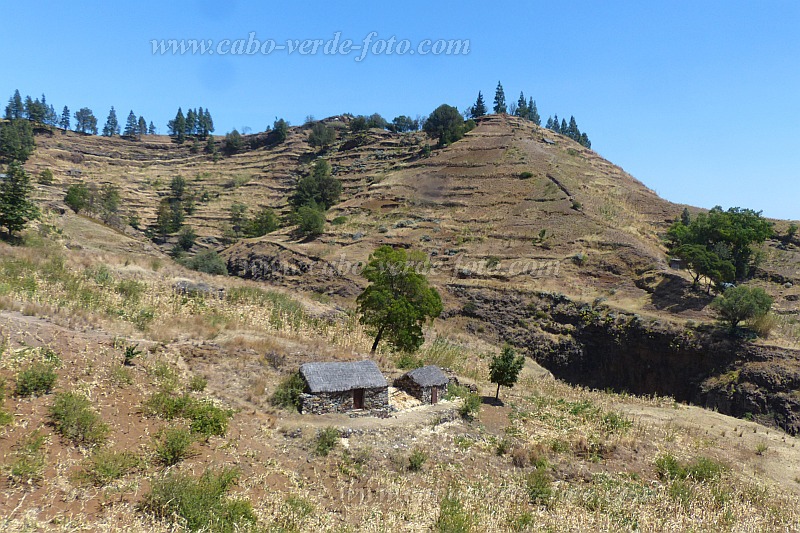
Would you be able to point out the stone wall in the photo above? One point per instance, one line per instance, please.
(341, 402)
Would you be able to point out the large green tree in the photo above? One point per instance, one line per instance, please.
(446, 124)
(730, 235)
(321, 136)
(504, 369)
(16, 207)
(131, 125)
(398, 300)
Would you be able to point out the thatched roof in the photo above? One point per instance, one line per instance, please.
(428, 376)
(339, 377)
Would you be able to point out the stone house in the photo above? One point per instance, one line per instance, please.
(338, 387)
(428, 384)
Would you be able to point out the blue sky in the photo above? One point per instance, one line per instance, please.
(700, 100)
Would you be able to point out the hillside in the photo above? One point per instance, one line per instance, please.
(533, 239)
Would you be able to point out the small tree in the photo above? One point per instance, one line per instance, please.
(321, 136)
(77, 197)
(479, 109)
(131, 126)
(500, 99)
(742, 303)
(16, 207)
(16, 141)
(505, 368)
(64, 123)
(398, 300)
(112, 124)
(311, 221)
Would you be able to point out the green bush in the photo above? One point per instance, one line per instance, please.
(742, 303)
(105, 466)
(327, 439)
(702, 469)
(39, 378)
(538, 485)
(46, 177)
(173, 445)
(416, 460)
(453, 518)
(207, 261)
(208, 420)
(407, 361)
(525, 175)
(73, 418)
(287, 394)
(199, 504)
(27, 461)
(198, 383)
(310, 221)
(471, 406)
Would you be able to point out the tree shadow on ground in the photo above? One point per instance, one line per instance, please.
(675, 294)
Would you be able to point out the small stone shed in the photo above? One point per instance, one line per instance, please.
(428, 384)
(338, 387)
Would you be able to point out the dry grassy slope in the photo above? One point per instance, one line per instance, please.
(462, 205)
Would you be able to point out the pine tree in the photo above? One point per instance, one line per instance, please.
(208, 122)
(112, 125)
(533, 113)
(16, 208)
(585, 140)
(549, 124)
(564, 128)
(479, 109)
(201, 123)
(191, 122)
(522, 106)
(131, 125)
(142, 128)
(15, 108)
(572, 129)
(556, 126)
(52, 117)
(500, 99)
(65, 122)
(151, 130)
(177, 127)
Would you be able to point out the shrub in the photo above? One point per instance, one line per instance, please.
(131, 351)
(742, 303)
(186, 238)
(311, 221)
(207, 261)
(287, 394)
(73, 418)
(471, 405)
(105, 466)
(416, 460)
(39, 378)
(172, 445)
(327, 439)
(764, 324)
(199, 504)
(77, 197)
(198, 383)
(701, 469)
(46, 177)
(538, 485)
(453, 518)
(525, 175)
(208, 420)
(338, 221)
(407, 361)
(27, 461)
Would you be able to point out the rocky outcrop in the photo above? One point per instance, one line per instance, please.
(598, 347)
